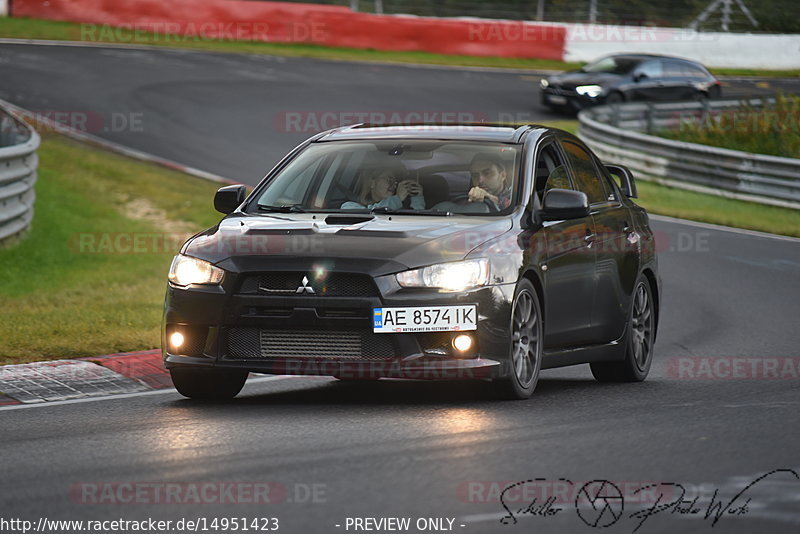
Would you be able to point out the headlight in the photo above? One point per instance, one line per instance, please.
(185, 270)
(455, 276)
(543, 83)
(589, 90)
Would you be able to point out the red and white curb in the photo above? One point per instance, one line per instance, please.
(100, 376)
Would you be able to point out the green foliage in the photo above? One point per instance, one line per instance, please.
(773, 130)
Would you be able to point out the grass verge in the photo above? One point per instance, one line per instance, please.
(26, 28)
(79, 284)
(674, 202)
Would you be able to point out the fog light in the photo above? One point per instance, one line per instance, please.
(462, 342)
(176, 340)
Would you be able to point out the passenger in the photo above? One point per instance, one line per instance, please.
(385, 188)
(489, 180)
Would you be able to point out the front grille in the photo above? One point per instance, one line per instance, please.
(256, 343)
(287, 283)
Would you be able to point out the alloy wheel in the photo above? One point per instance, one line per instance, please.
(642, 326)
(525, 339)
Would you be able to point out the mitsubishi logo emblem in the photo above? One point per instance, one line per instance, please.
(305, 288)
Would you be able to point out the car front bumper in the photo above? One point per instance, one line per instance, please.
(566, 99)
(326, 335)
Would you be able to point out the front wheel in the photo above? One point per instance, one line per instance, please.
(525, 350)
(639, 343)
(208, 384)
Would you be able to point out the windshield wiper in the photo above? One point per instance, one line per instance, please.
(406, 211)
(288, 208)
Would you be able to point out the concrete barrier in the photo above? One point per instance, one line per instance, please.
(586, 42)
(302, 23)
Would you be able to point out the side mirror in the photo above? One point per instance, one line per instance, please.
(561, 204)
(229, 198)
(626, 182)
(639, 76)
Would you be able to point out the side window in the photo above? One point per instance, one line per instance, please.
(674, 69)
(587, 176)
(550, 172)
(695, 72)
(652, 69)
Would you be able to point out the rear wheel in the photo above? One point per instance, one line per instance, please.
(208, 384)
(525, 358)
(639, 344)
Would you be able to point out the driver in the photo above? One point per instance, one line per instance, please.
(489, 180)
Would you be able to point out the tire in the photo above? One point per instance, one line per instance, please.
(638, 343)
(525, 348)
(615, 98)
(208, 384)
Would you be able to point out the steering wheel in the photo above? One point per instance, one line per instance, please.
(493, 208)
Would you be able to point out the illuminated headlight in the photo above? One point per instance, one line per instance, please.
(456, 276)
(543, 83)
(176, 340)
(185, 271)
(591, 91)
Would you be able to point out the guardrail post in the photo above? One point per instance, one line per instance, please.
(650, 118)
(705, 112)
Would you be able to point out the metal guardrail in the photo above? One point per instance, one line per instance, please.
(18, 164)
(615, 133)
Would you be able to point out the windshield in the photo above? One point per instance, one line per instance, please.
(417, 177)
(613, 65)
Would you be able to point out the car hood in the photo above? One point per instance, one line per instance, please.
(570, 80)
(381, 245)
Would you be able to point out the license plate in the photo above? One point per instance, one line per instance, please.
(556, 99)
(425, 319)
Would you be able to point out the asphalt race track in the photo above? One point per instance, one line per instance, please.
(719, 410)
(236, 115)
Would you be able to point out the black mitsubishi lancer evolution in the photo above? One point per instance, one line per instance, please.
(463, 252)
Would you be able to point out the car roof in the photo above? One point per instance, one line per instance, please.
(497, 133)
(653, 56)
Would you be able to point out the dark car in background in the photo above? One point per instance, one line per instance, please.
(306, 277)
(629, 78)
